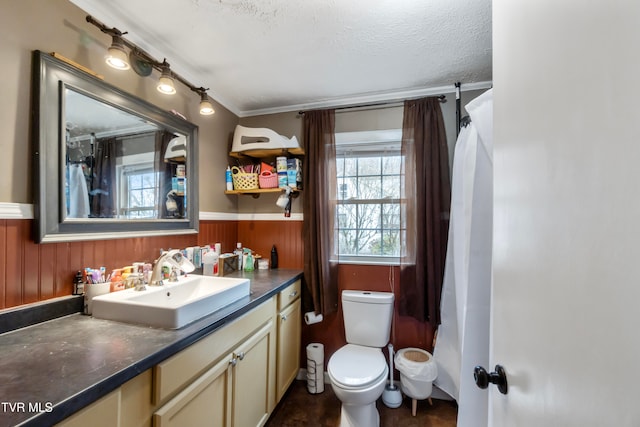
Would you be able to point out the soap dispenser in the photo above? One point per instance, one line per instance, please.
(248, 261)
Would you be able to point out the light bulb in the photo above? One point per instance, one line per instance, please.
(117, 56)
(206, 108)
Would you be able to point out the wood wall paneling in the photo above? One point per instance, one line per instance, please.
(286, 235)
(30, 272)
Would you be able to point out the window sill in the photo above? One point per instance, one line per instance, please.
(368, 261)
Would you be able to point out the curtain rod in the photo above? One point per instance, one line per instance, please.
(387, 104)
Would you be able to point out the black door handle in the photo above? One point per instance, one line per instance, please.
(499, 378)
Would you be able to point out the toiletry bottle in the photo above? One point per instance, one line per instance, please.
(248, 262)
(274, 257)
(78, 284)
(208, 261)
(240, 253)
(287, 209)
(228, 179)
(216, 257)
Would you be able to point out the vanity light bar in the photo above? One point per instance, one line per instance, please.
(118, 58)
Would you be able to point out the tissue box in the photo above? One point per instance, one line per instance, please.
(227, 264)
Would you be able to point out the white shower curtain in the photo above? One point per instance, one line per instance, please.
(78, 194)
(463, 336)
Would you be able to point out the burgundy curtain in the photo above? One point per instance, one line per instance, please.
(103, 194)
(319, 175)
(428, 199)
(165, 170)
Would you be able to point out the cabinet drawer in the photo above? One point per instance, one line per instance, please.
(289, 294)
(174, 373)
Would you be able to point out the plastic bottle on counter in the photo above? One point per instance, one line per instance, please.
(78, 284)
(240, 253)
(210, 263)
(274, 257)
(229, 179)
(248, 262)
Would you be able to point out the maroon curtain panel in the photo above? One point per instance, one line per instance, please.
(103, 185)
(428, 200)
(319, 175)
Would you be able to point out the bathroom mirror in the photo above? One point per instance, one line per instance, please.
(106, 163)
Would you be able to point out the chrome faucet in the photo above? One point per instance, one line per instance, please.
(175, 259)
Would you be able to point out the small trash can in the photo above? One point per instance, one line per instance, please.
(417, 369)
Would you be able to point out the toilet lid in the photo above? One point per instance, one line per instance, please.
(356, 366)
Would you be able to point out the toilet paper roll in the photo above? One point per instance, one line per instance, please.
(315, 368)
(311, 317)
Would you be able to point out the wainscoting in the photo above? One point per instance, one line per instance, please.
(31, 272)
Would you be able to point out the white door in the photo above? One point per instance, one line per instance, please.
(566, 261)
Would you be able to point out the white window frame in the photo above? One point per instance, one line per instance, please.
(133, 164)
(363, 144)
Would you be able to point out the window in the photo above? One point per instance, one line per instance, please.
(369, 226)
(139, 185)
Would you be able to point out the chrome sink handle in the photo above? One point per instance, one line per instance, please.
(175, 259)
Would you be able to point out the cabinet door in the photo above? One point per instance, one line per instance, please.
(104, 412)
(288, 354)
(205, 402)
(253, 379)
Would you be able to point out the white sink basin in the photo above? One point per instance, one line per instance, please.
(173, 305)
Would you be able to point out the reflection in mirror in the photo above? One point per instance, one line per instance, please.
(106, 163)
(119, 165)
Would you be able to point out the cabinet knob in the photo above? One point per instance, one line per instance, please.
(293, 294)
(241, 355)
(233, 361)
(284, 317)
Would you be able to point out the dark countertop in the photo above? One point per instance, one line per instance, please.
(65, 364)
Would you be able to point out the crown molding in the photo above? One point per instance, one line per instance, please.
(370, 98)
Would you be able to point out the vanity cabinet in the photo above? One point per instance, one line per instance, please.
(103, 413)
(289, 321)
(236, 391)
(127, 406)
(237, 387)
(233, 377)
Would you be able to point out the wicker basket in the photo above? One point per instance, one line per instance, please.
(268, 179)
(243, 180)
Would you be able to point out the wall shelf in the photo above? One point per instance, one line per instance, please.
(255, 193)
(267, 153)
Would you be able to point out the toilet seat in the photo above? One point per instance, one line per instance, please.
(354, 366)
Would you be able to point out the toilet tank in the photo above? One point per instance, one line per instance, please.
(367, 317)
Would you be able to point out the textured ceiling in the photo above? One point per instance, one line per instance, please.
(261, 56)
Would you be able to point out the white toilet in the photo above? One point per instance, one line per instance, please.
(358, 371)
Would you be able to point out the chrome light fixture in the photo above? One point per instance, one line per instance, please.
(117, 56)
(206, 108)
(165, 83)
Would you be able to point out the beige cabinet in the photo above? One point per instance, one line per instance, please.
(237, 391)
(103, 413)
(289, 329)
(234, 377)
(253, 378)
(203, 402)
